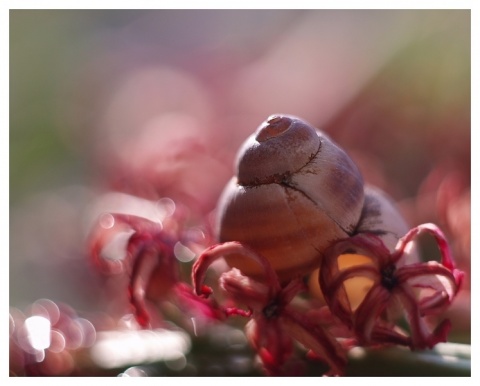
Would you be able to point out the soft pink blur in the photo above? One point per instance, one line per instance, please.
(157, 104)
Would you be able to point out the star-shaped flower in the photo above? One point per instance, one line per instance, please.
(274, 322)
(416, 290)
(148, 258)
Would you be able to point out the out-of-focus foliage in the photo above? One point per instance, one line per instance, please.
(154, 103)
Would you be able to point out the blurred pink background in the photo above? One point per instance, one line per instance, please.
(155, 103)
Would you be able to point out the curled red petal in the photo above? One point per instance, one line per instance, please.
(244, 289)
(143, 267)
(272, 343)
(110, 225)
(436, 232)
(188, 301)
(137, 223)
(291, 290)
(315, 338)
(426, 274)
(332, 290)
(387, 334)
(434, 304)
(331, 279)
(367, 314)
(433, 276)
(232, 247)
(325, 318)
(421, 335)
(360, 270)
(154, 273)
(233, 311)
(336, 299)
(366, 244)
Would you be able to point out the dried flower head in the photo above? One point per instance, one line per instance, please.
(275, 322)
(412, 290)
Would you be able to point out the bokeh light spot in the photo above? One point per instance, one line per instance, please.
(183, 253)
(166, 206)
(120, 348)
(107, 221)
(38, 329)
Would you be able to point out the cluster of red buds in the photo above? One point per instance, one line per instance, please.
(398, 291)
(282, 313)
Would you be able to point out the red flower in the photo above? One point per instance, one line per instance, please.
(275, 323)
(149, 258)
(417, 289)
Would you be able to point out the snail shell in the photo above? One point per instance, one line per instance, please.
(294, 193)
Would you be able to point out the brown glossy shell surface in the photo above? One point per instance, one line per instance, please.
(296, 193)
